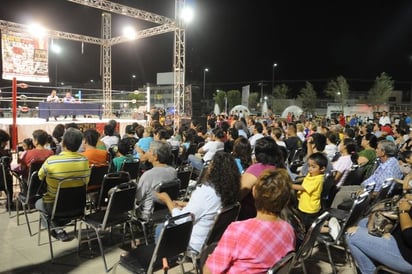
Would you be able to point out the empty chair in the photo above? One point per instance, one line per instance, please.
(357, 211)
(118, 211)
(173, 241)
(68, 207)
(110, 180)
(35, 190)
(284, 265)
(308, 242)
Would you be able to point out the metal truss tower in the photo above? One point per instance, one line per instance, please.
(106, 51)
(106, 42)
(179, 64)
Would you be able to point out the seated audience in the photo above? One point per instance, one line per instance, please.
(255, 245)
(124, 153)
(158, 155)
(220, 188)
(97, 157)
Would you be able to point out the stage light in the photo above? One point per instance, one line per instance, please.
(37, 30)
(129, 32)
(187, 14)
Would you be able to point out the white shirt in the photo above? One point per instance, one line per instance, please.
(204, 205)
(210, 148)
(384, 120)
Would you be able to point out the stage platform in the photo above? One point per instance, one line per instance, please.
(26, 126)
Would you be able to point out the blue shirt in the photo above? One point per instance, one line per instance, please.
(388, 169)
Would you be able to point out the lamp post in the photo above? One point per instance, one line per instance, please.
(131, 82)
(273, 75)
(204, 81)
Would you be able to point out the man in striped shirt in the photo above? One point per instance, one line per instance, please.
(68, 164)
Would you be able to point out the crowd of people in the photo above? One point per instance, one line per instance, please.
(268, 165)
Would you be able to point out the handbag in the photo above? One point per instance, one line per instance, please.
(383, 217)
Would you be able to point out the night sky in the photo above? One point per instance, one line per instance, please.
(239, 40)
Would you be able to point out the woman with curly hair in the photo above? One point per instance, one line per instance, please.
(219, 188)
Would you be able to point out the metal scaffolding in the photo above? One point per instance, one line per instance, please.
(106, 42)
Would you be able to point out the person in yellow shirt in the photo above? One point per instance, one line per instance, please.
(310, 190)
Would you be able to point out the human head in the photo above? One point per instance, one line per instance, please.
(130, 129)
(317, 163)
(68, 94)
(161, 134)
(242, 150)
(272, 191)
(258, 127)
(53, 92)
(370, 139)
(58, 132)
(91, 136)
(28, 143)
(108, 130)
(72, 139)
(267, 152)
(40, 137)
(318, 140)
(386, 148)
(126, 146)
(4, 138)
(224, 175)
(160, 151)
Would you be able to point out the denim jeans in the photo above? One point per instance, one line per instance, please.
(367, 249)
(195, 162)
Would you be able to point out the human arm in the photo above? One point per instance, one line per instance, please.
(298, 187)
(164, 197)
(246, 183)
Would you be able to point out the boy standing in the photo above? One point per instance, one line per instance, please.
(310, 190)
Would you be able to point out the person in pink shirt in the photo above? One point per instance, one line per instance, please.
(254, 245)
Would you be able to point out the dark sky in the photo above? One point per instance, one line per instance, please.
(239, 40)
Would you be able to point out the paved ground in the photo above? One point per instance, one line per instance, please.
(20, 253)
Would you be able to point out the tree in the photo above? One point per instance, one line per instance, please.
(339, 90)
(280, 91)
(253, 100)
(307, 96)
(234, 98)
(220, 99)
(381, 90)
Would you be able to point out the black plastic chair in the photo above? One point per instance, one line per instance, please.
(35, 190)
(110, 180)
(357, 211)
(97, 174)
(329, 191)
(305, 249)
(69, 206)
(5, 176)
(133, 167)
(284, 265)
(173, 241)
(160, 211)
(224, 217)
(122, 201)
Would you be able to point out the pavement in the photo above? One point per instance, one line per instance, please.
(20, 253)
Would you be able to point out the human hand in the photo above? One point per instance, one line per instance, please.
(162, 196)
(404, 204)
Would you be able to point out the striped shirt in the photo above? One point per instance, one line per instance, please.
(65, 165)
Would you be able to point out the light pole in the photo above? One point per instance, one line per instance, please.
(131, 82)
(204, 81)
(273, 76)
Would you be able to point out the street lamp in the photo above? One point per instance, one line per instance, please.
(204, 81)
(131, 82)
(273, 75)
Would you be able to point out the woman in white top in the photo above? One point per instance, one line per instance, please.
(347, 149)
(220, 188)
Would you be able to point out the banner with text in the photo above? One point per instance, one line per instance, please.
(24, 57)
